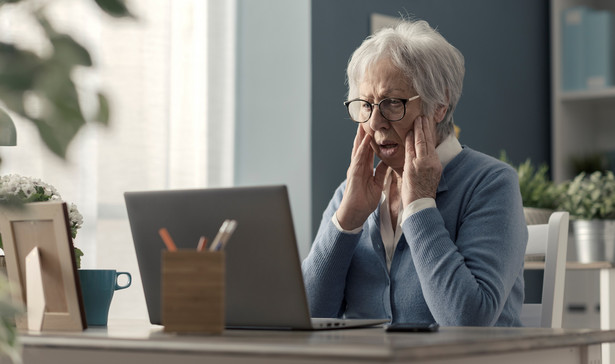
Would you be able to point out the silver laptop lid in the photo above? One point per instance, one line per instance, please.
(263, 278)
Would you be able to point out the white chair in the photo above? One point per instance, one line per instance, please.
(551, 240)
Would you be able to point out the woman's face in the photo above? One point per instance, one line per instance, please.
(383, 80)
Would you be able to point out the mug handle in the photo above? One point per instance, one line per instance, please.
(117, 275)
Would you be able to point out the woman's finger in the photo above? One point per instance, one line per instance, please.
(358, 138)
(365, 153)
(420, 144)
(430, 133)
(410, 152)
(362, 161)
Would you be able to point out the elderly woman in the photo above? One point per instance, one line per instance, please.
(435, 233)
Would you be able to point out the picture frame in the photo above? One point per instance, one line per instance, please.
(38, 248)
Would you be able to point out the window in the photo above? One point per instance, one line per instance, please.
(169, 76)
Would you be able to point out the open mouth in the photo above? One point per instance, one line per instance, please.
(388, 145)
(387, 149)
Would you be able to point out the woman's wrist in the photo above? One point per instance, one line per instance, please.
(341, 229)
(347, 221)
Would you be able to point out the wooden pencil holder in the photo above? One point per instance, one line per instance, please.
(193, 290)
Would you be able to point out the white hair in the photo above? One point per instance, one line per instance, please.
(431, 64)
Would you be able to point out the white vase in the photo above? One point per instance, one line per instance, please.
(594, 240)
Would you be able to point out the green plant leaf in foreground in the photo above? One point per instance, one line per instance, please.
(103, 114)
(116, 8)
(8, 134)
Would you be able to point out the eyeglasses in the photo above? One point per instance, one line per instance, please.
(391, 109)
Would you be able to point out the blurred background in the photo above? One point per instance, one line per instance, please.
(249, 92)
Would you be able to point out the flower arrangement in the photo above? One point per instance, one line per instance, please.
(15, 189)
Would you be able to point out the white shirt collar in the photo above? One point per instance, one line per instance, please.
(448, 149)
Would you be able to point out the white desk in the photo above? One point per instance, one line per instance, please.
(607, 298)
(134, 343)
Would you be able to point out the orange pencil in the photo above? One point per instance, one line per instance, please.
(166, 238)
(202, 244)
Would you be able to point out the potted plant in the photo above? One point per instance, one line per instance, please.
(539, 194)
(590, 199)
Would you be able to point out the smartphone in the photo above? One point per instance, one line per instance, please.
(413, 327)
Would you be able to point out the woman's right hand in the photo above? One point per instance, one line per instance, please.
(363, 185)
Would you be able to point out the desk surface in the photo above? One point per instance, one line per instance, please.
(350, 344)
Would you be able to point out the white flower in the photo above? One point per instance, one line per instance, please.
(75, 216)
(29, 189)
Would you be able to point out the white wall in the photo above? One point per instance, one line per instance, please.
(274, 102)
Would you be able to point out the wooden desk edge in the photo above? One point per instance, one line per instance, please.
(394, 346)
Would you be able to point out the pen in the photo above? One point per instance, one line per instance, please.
(215, 245)
(230, 229)
(166, 238)
(202, 244)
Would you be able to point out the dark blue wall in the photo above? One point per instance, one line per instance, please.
(506, 100)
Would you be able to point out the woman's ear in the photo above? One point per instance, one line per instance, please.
(440, 113)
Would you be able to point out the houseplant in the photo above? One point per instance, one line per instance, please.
(539, 194)
(590, 199)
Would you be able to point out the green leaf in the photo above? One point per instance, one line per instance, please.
(18, 68)
(590, 196)
(78, 255)
(8, 134)
(13, 101)
(62, 108)
(116, 8)
(537, 190)
(103, 109)
(57, 143)
(60, 125)
(67, 51)
(2, 2)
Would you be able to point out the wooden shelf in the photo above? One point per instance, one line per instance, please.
(533, 265)
(587, 95)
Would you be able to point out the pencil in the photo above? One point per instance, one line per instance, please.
(166, 238)
(202, 244)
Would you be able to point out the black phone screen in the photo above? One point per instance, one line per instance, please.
(413, 327)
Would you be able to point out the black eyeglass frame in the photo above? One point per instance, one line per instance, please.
(404, 101)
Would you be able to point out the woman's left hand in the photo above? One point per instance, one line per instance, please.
(422, 167)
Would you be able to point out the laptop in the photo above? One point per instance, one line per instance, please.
(264, 283)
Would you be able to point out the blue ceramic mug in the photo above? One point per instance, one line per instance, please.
(97, 288)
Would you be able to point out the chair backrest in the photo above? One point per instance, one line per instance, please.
(551, 240)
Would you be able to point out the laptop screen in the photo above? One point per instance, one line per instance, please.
(264, 284)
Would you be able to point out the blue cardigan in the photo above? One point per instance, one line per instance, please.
(460, 264)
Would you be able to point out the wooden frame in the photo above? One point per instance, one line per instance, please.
(40, 230)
